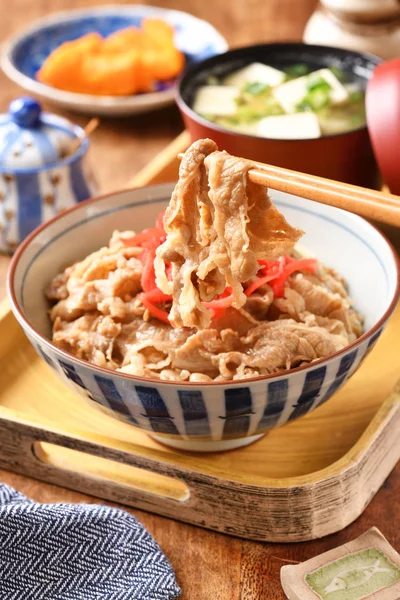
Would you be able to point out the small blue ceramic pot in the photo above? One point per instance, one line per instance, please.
(38, 176)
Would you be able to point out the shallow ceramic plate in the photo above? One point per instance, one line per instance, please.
(24, 53)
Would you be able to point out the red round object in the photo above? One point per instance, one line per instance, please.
(383, 118)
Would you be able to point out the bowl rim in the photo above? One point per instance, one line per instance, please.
(19, 314)
(104, 101)
(185, 78)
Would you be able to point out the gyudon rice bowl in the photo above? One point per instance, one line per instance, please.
(215, 291)
(197, 316)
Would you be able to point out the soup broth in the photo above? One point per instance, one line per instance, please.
(294, 103)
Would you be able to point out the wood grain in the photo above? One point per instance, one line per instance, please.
(379, 206)
(261, 492)
(208, 564)
(382, 207)
(303, 491)
(121, 147)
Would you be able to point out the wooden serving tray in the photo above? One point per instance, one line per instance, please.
(310, 478)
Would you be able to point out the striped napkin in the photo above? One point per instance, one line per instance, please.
(78, 552)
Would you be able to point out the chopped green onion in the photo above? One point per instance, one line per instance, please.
(319, 99)
(296, 71)
(317, 83)
(304, 105)
(256, 88)
(315, 100)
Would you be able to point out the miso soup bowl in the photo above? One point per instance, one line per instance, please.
(346, 156)
(204, 416)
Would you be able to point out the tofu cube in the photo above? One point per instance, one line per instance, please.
(216, 100)
(255, 72)
(338, 93)
(296, 126)
(291, 93)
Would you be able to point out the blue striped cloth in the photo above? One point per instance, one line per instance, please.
(78, 552)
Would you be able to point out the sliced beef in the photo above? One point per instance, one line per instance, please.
(218, 225)
(90, 337)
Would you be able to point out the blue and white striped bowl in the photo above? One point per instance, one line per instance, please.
(25, 53)
(213, 416)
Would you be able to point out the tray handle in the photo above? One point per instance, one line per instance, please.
(91, 468)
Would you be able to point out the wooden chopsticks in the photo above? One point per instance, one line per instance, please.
(76, 142)
(371, 204)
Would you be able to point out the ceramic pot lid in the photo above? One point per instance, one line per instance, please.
(30, 139)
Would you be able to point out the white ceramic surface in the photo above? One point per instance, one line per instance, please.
(214, 415)
(371, 26)
(363, 9)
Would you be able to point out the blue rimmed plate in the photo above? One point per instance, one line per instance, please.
(25, 53)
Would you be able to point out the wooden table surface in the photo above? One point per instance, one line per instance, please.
(208, 565)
